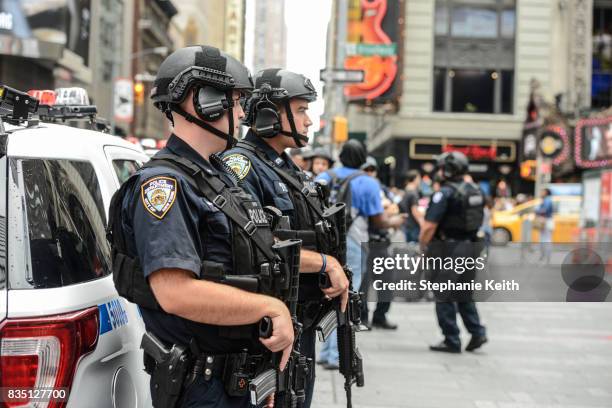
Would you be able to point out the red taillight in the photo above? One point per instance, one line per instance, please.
(21, 369)
(44, 352)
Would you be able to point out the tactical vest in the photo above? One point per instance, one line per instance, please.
(254, 262)
(316, 232)
(469, 219)
(308, 202)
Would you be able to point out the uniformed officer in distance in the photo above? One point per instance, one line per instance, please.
(277, 113)
(321, 161)
(452, 221)
(177, 235)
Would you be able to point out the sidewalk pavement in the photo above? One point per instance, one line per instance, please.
(539, 355)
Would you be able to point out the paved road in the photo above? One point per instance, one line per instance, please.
(540, 355)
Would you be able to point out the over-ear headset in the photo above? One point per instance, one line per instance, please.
(210, 103)
(267, 117)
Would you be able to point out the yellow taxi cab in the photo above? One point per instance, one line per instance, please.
(508, 226)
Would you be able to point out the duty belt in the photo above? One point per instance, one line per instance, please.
(235, 370)
(209, 366)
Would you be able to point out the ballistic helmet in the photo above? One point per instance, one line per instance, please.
(453, 164)
(273, 88)
(212, 74)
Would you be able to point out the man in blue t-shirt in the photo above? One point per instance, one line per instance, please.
(366, 207)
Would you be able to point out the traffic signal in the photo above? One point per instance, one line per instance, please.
(139, 90)
(528, 170)
(340, 129)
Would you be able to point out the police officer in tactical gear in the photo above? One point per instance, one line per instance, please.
(180, 228)
(277, 114)
(452, 221)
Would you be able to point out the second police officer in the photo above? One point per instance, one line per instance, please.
(451, 224)
(277, 114)
(179, 226)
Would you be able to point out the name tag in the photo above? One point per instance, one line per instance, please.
(256, 213)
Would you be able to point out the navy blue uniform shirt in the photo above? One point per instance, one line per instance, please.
(258, 179)
(438, 205)
(168, 224)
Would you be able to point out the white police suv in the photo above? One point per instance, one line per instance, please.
(66, 338)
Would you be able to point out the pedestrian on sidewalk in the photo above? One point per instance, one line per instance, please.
(544, 222)
(410, 205)
(380, 240)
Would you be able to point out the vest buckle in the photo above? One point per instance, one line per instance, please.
(306, 191)
(250, 228)
(220, 201)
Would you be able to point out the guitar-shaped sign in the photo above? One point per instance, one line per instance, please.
(379, 65)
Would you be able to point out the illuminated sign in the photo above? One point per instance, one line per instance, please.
(43, 28)
(473, 151)
(234, 28)
(372, 46)
(499, 151)
(593, 143)
(554, 144)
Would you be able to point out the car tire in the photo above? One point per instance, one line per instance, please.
(500, 237)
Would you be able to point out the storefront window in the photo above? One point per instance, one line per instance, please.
(474, 56)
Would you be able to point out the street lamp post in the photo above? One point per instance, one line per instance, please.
(341, 33)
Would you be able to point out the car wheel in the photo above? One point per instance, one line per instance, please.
(501, 237)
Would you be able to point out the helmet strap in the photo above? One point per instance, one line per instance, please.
(228, 137)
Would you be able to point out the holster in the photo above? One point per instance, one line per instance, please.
(168, 370)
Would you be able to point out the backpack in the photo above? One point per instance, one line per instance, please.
(340, 192)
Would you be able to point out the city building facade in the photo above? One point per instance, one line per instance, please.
(218, 23)
(466, 72)
(270, 39)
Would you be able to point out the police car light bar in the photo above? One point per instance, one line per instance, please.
(61, 113)
(65, 112)
(16, 106)
(44, 96)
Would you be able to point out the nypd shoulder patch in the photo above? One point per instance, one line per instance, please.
(158, 195)
(239, 163)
